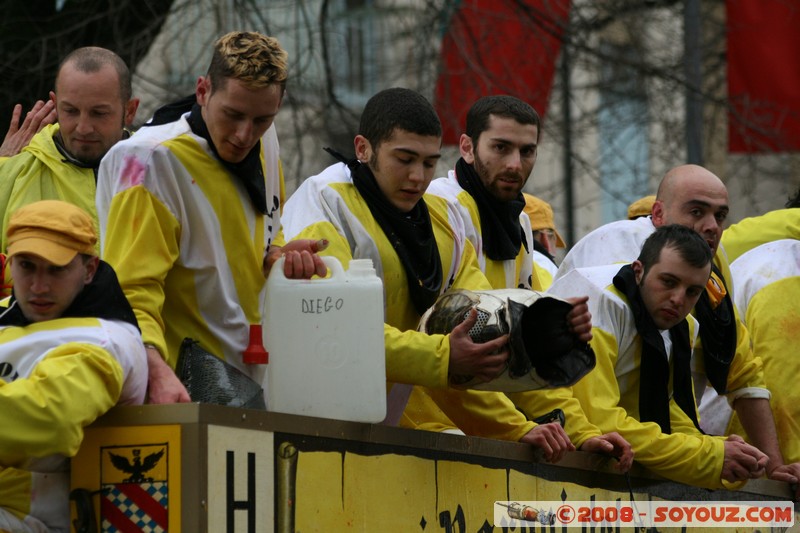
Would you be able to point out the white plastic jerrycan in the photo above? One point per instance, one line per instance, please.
(325, 343)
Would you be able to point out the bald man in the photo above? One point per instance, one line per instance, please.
(693, 196)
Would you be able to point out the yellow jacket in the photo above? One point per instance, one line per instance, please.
(59, 375)
(609, 394)
(185, 240)
(767, 290)
(751, 232)
(39, 172)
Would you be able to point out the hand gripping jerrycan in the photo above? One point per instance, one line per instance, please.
(325, 343)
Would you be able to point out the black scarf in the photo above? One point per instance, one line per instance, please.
(72, 160)
(654, 368)
(172, 111)
(411, 235)
(248, 172)
(717, 335)
(102, 298)
(501, 231)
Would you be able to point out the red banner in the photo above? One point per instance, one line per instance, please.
(764, 75)
(498, 47)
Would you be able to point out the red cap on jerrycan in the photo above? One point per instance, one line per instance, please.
(255, 354)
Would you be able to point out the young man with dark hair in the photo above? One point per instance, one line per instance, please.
(643, 336)
(71, 349)
(372, 207)
(498, 152)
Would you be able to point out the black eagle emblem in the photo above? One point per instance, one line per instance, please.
(138, 467)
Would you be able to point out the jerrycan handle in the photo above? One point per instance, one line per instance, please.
(333, 264)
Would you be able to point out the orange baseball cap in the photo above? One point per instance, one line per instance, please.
(541, 215)
(53, 230)
(641, 207)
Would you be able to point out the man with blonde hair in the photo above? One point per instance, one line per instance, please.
(190, 204)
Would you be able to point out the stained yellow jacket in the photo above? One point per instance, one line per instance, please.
(751, 232)
(767, 282)
(185, 240)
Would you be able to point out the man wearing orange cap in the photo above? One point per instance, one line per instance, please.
(641, 207)
(545, 239)
(68, 335)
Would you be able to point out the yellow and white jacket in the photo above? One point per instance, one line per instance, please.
(185, 240)
(751, 232)
(544, 268)
(609, 394)
(767, 291)
(57, 377)
(512, 274)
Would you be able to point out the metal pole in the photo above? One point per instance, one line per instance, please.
(693, 71)
(566, 110)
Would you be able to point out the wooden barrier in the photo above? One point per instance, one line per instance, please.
(206, 468)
